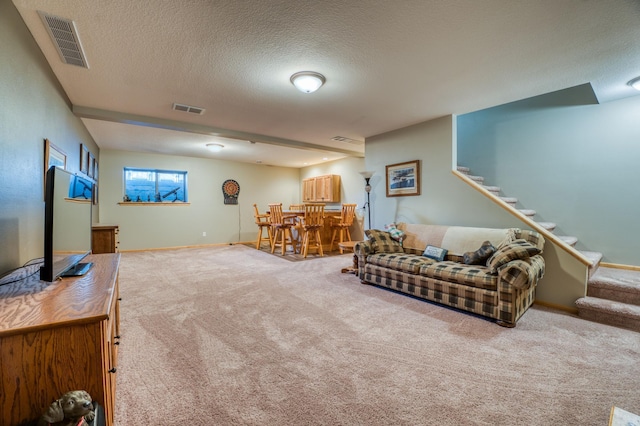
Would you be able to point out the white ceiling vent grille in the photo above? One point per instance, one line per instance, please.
(188, 108)
(347, 140)
(65, 37)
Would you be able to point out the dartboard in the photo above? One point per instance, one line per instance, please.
(230, 189)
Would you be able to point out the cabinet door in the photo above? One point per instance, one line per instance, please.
(309, 190)
(328, 189)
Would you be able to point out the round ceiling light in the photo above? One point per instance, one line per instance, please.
(307, 81)
(635, 83)
(215, 147)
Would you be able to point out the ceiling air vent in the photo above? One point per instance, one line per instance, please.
(347, 140)
(65, 37)
(189, 109)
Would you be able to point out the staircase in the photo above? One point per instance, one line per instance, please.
(613, 295)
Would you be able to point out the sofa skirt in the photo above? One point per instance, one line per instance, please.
(471, 299)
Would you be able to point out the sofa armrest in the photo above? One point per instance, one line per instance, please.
(523, 273)
(362, 249)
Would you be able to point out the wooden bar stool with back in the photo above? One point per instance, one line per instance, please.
(281, 229)
(312, 222)
(342, 224)
(263, 222)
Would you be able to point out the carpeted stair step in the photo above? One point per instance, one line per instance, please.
(568, 240)
(464, 170)
(495, 190)
(610, 312)
(527, 212)
(477, 179)
(595, 258)
(549, 226)
(619, 285)
(510, 200)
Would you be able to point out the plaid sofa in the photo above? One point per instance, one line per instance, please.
(501, 287)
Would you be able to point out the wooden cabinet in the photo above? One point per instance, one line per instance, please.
(105, 239)
(60, 336)
(321, 189)
(309, 190)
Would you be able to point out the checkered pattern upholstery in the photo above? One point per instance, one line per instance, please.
(504, 295)
(402, 262)
(471, 275)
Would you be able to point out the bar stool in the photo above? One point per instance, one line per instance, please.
(262, 220)
(281, 229)
(342, 225)
(312, 223)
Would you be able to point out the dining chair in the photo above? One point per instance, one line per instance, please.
(342, 224)
(296, 207)
(281, 229)
(312, 222)
(263, 222)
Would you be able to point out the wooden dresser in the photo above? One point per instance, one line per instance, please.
(104, 238)
(60, 336)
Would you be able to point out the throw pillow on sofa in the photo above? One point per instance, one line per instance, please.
(518, 249)
(480, 256)
(381, 242)
(435, 253)
(395, 233)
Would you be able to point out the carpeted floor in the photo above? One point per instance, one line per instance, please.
(234, 336)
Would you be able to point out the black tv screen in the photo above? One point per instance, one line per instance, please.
(67, 224)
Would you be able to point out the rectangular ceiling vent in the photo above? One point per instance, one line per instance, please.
(347, 140)
(65, 37)
(188, 108)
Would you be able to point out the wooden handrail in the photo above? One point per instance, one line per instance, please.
(548, 235)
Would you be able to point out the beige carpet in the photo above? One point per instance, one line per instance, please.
(234, 336)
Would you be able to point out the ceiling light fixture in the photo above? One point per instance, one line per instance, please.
(307, 81)
(635, 83)
(215, 147)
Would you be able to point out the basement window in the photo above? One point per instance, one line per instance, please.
(154, 186)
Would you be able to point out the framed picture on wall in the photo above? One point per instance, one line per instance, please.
(90, 165)
(403, 179)
(53, 156)
(84, 159)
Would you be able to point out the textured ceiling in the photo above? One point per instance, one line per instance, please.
(388, 64)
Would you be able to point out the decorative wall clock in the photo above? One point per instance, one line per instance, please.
(230, 190)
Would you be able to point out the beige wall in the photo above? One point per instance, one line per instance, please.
(159, 226)
(447, 200)
(34, 107)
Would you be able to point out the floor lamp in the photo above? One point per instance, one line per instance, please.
(367, 187)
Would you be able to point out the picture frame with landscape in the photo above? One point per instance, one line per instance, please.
(403, 179)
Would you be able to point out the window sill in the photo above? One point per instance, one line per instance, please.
(145, 203)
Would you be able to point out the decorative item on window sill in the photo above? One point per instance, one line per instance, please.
(230, 190)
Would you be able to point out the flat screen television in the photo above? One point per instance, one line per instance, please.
(67, 224)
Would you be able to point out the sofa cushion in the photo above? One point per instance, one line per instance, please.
(473, 276)
(399, 261)
(518, 249)
(381, 242)
(480, 256)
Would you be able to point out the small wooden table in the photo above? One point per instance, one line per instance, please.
(350, 245)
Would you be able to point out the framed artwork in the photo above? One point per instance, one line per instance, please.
(84, 159)
(403, 179)
(53, 156)
(95, 169)
(90, 165)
